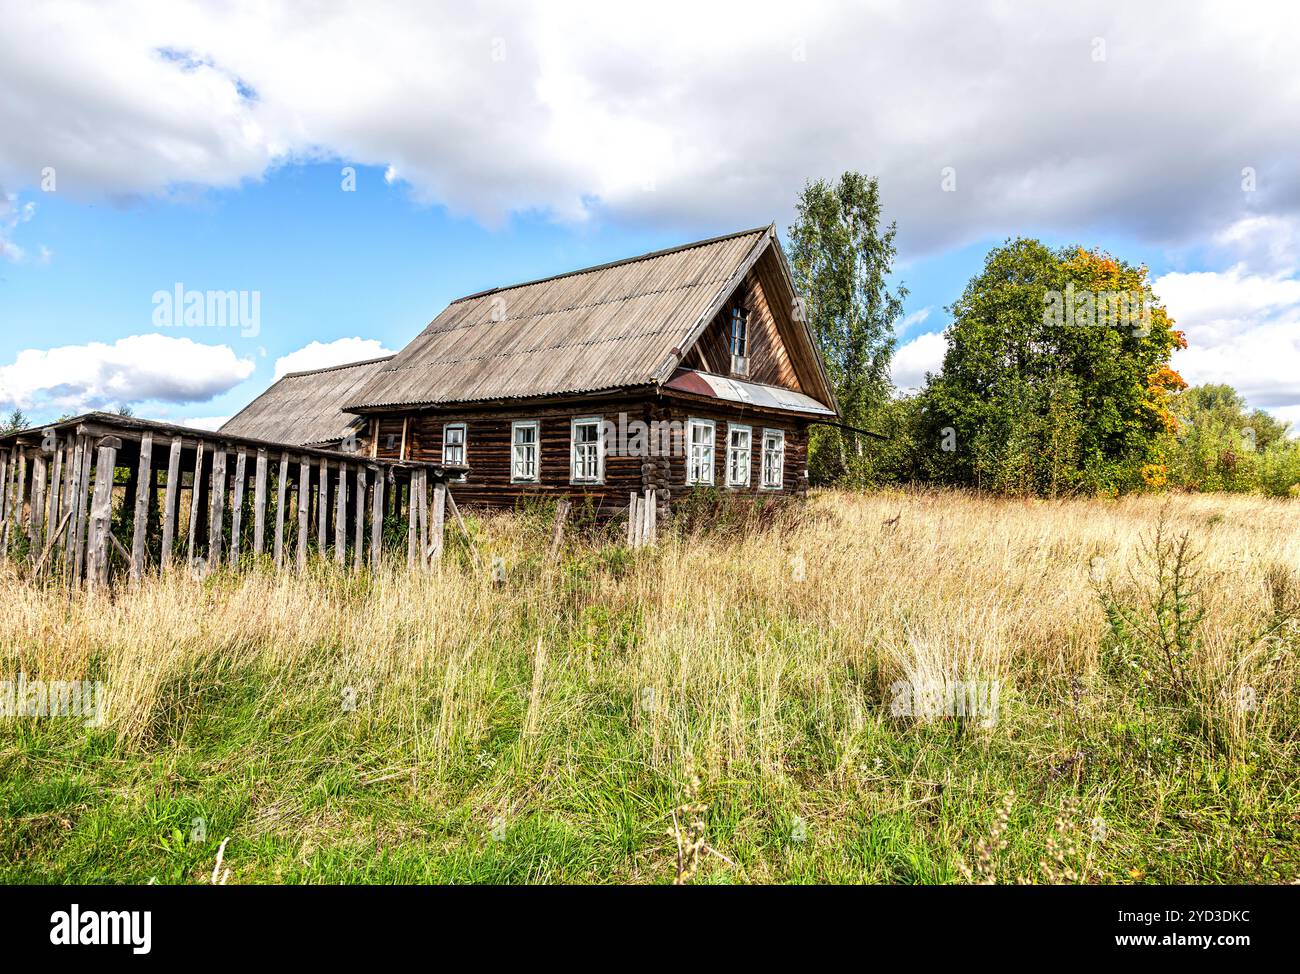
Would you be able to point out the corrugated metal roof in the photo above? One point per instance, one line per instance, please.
(604, 327)
(750, 393)
(305, 408)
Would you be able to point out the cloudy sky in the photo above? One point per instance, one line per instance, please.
(346, 169)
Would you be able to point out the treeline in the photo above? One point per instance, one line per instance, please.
(1056, 379)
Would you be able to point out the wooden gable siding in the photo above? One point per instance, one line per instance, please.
(769, 362)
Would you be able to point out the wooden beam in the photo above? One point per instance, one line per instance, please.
(49, 545)
(341, 516)
(18, 523)
(281, 499)
(359, 527)
(401, 454)
(633, 521)
(74, 541)
(101, 512)
(412, 522)
(5, 464)
(377, 522)
(322, 507)
(82, 539)
(304, 504)
(237, 506)
(424, 519)
(217, 508)
(557, 533)
(439, 521)
(469, 542)
(259, 505)
(195, 493)
(36, 524)
(140, 519)
(169, 502)
(52, 519)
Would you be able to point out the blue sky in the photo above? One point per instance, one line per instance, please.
(206, 147)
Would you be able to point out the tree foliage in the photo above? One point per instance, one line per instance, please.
(1219, 444)
(1056, 377)
(841, 258)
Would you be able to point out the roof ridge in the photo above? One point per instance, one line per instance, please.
(615, 263)
(335, 368)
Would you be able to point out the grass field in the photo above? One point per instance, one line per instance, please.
(721, 709)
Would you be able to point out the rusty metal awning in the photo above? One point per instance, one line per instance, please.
(755, 394)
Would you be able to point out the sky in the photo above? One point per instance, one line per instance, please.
(332, 174)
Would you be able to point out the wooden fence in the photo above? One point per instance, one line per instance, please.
(100, 496)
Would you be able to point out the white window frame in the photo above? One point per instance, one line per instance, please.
(732, 429)
(739, 361)
(515, 445)
(691, 424)
(599, 422)
(464, 445)
(779, 436)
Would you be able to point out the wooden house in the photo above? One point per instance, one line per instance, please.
(683, 368)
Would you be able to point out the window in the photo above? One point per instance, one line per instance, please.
(699, 455)
(773, 459)
(587, 457)
(740, 341)
(739, 451)
(523, 451)
(453, 443)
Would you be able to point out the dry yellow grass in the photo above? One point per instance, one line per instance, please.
(728, 652)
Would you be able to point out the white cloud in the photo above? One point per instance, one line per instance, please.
(322, 355)
(132, 370)
(918, 317)
(1241, 328)
(591, 108)
(12, 213)
(209, 423)
(913, 360)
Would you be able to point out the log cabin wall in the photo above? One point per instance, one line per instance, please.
(795, 470)
(488, 451)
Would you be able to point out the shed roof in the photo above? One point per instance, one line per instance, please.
(619, 325)
(305, 408)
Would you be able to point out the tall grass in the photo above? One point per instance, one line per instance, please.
(450, 727)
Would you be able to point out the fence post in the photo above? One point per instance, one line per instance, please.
(102, 511)
(140, 517)
(170, 499)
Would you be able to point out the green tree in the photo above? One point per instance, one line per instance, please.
(841, 258)
(1221, 445)
(1056, 377)
(17, 421)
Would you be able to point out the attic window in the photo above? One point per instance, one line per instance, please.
(739, 341)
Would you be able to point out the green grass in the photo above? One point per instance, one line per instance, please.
(815, 783)
(311, 793)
